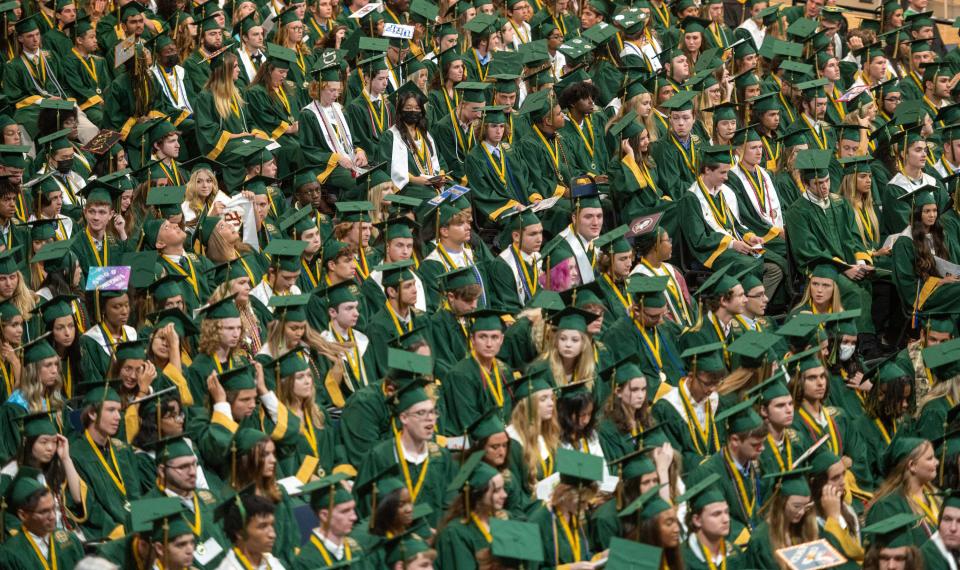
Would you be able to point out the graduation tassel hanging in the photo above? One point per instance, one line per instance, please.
(373, 505)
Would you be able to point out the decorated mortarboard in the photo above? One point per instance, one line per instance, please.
(225, 308)
(705, 357)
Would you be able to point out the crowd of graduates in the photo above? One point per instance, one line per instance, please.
(478, 284)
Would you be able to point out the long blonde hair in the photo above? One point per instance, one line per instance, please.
(633, 104)
(583, 369)
(896, 480)
(34, 392)
(23, 298)
(221, 86)
(530, 433)
(949, 388)
(835, 304)
(219, 251)
(276, 345)
(193, 198)
(848, 189)
(780, 532)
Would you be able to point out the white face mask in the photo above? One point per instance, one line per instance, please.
(846, 351)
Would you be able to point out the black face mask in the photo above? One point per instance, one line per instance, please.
(171, 60)
(410, 117)
(65, 166)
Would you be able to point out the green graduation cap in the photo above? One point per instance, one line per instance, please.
(297, 222)
(285, 254)
(577, 468)
(740, 418)
(182, 324)
(681, 101)
(459, 278)
(354, 211)
(225, 308)
(573, 318)
(648, 291)
(280, 57)
(97, 191)
(613, 242)
(792, 482)
(706, 357)
(238, 378)
(396, 272)
(814, 163)
(340, 293)
(132, 350)
(37, 424)
(771, 388)
(634, 464)
(404, 365)
(290, 308)
(38, 349)
(248, 438)
(515, 540)
(481, 25)
(647, 506)
(754, 346)
(942, 358)
(486, 319)
(892, 532)
(23, 488)
(631, 555)
(537, 377)
(703, 493)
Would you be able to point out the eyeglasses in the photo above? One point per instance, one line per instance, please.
(757, 296)
(424, 414)
(893, 99)
(185, 467)
(181, 416)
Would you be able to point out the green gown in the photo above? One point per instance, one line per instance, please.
(759, 552)
(818, 235)
(20, 81)
(589, 147)
(458, 543)
(106, 505)
(454, 143)
(638, 191)
(933, 557)
(213, 135)
(364, 421)
(209, 527)
(450, 342)
(896, 503)
(929, 295)
(696, 560)
(200, 368)
(269, 113)
(788, 187)
(470, 392)
(318, 153)
(518, 348)
(677, 166)
(659, 353)
(617, 443)
(120, 111)
(551, 160)
(83, 247)
(682, 434)
(866, 445)
(440, 470)
(314, 554)
(497, 178)
(562, 549)
(86, 82)
(96, 360)
(743, 501)
(381, 331)
(604, 524)
(313, 450)
(809, 430)
(368, 120)
(17, 553)
(775, 458)
(197, 288)
(709, 245)
(774, 242)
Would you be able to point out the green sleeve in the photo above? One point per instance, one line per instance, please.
(312, 143)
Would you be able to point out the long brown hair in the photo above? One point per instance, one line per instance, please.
(221, 86)
(249, 469)
(618, 413)
(896, 481)
(924, 263)
(530, 433)
(782, 532)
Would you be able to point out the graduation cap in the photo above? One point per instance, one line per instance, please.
(584, 295)
(706, 357)
(647, 506)
(537, 377)
(648, 291)
(631, 555)
(802, 361)
(396, 272)
(182, 324)
(771, 388)
(515, 540)
(37, 350)
(225, 308)
(613, 242)
(703, 493)
(481, 25)
(893, 532)
(814, 163)
(741, 417)
(754, 346)
(573, 318)
(98, 192)
(473, 474)
(36, 424)
(290, 308)
(942, 358)
(792, 482)
(285, 254)
(577, 468)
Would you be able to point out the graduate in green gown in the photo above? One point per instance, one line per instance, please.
(96, 246)
(938, 553)
(709, 544)
(787, 519)
(33, 504)
(813, 419)
(106, 465)
(627, 423)
(647, 334)
(687, 411)
(455, 135)
(822, 227)
(98, 344)
(893, 537)
(398, 315)
(370, 114)
(637, 472)
(329, 543)
(478, 382)
(562, 516)
(199, 64)
(314, 450)
(272, 106)
(736, 464)
(176, 476)
(905, 490)
(941, 363)
(884, 416)
(448, 327)
(677, 154)
(465, 529)
(85, 74)
(425, 467)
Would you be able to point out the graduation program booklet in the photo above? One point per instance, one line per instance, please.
(945, 267)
